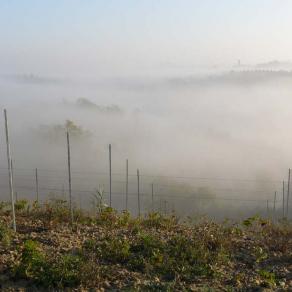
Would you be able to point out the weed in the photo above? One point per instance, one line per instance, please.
(259, 254)
(269, 279)
(98, 201)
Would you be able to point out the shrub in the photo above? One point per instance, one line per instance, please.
(146, 252)
(3, 206)
(156, 220)
(276, 237)
(65, 270)
(32, 263)
(187, 258)
(109, 249)
(115, 250)
(124, 219)
(108, 216)
(60, 271)
(55, 210)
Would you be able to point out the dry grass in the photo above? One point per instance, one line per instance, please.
(112, 251)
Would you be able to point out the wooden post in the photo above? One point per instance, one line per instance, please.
(288, 193)
(165, 208)
(69, 177)
(127, 182)
(9, 171)
(152, 197)
(37, 185)
(283, 200)
(110, 173)
(274, 209)
(138, 185)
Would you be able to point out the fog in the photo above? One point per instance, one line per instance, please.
(216, 143)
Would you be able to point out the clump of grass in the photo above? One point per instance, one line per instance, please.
(21, 206)
(5, 235)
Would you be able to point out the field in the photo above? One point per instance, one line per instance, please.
(111, 251)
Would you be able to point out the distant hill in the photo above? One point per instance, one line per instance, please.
(32, 79)
(88, 104)
(246, 77)
(275, 65)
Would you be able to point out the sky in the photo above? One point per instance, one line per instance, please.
(145, 37)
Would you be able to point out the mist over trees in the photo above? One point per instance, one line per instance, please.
(203, 127)
(55, 133)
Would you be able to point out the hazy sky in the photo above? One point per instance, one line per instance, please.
(124, 37)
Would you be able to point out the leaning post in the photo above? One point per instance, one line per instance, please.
(10, 170)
